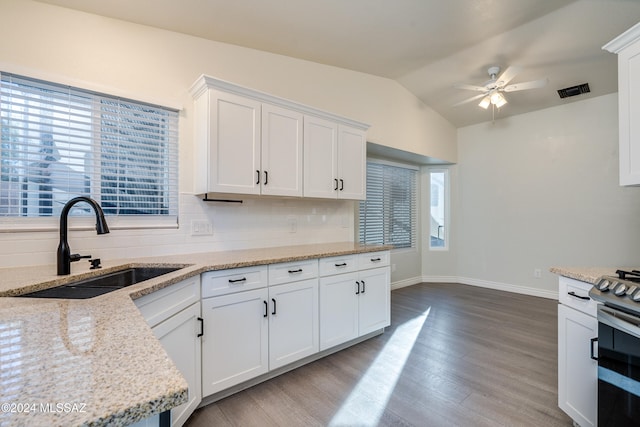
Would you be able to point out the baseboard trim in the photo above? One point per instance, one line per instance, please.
(525, 290)
(406, 282)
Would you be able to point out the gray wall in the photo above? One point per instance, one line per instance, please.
(541, 190)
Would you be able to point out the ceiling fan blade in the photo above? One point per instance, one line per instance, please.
(473, 98)
(470, 87)
(535, 84)
(508, 75)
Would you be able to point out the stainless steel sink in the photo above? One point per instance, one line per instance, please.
(103, 284)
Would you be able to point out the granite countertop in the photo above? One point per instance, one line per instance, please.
(96, 361)
(586, 274)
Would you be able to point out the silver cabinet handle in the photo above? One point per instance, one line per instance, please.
(593, 341)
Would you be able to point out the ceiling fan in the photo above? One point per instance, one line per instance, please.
(492, 91)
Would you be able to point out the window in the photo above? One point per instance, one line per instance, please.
(58, 142)
(439, 187)
(389, 214)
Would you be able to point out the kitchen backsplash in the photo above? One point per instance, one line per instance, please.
(258, 222)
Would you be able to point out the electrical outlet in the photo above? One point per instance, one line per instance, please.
(292, 223)
(537, 273)
(201, 228)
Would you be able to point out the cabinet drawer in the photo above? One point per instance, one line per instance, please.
(373, 260)
(292, 271)
(572, 293)
(164, 303)
(223, 282)
(338, 265)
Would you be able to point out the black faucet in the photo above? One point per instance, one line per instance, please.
(64, 252)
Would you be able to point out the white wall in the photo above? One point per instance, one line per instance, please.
(540, 190)
(139, 62)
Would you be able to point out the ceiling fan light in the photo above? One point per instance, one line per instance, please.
(486, 101)
(498, 99)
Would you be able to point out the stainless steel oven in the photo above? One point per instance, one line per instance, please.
(618, 368)
(618, 351)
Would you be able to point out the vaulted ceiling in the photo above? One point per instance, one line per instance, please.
(426, 45)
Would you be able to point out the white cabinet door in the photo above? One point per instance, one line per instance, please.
(627, 46)
(577, 372)
(334, 160)
(235, 345)
(179, 338)
(352, 166)
(320, 154)
(374, 300)
(281, 164)
(338, 309)
(629, 110)
(234, 144)
(293, 322)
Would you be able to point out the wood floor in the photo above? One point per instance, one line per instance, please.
(454, 355)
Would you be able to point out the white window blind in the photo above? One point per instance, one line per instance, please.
(389, 214)
(59, 142)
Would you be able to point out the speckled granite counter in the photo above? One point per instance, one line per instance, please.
(95, 361)
(585, 274)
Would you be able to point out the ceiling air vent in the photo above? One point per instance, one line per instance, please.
(574, 90)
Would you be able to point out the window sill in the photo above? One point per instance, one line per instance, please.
(31, 225)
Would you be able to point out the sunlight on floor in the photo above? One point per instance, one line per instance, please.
(366, 403)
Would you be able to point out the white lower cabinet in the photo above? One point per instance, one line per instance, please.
(356, 303)
(248, 333)
(235, 345)
(174, 316)
(577, 371)
(258, 319)
(374, 305)
(293, 322)
(338, 309)
(178, 336)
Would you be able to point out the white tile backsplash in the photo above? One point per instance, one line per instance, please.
(257, 222)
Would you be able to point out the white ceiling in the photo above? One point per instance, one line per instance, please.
(426, 45)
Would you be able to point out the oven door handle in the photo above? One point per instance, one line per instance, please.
(619, 320)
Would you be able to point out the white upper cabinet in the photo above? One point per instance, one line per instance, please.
(320, 154)
(249, 142)
(627, 46)
(352, 164)
(281, 159)
(334, 160)
(234, 144)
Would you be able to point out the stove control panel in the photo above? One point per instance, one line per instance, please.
(616, 291)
